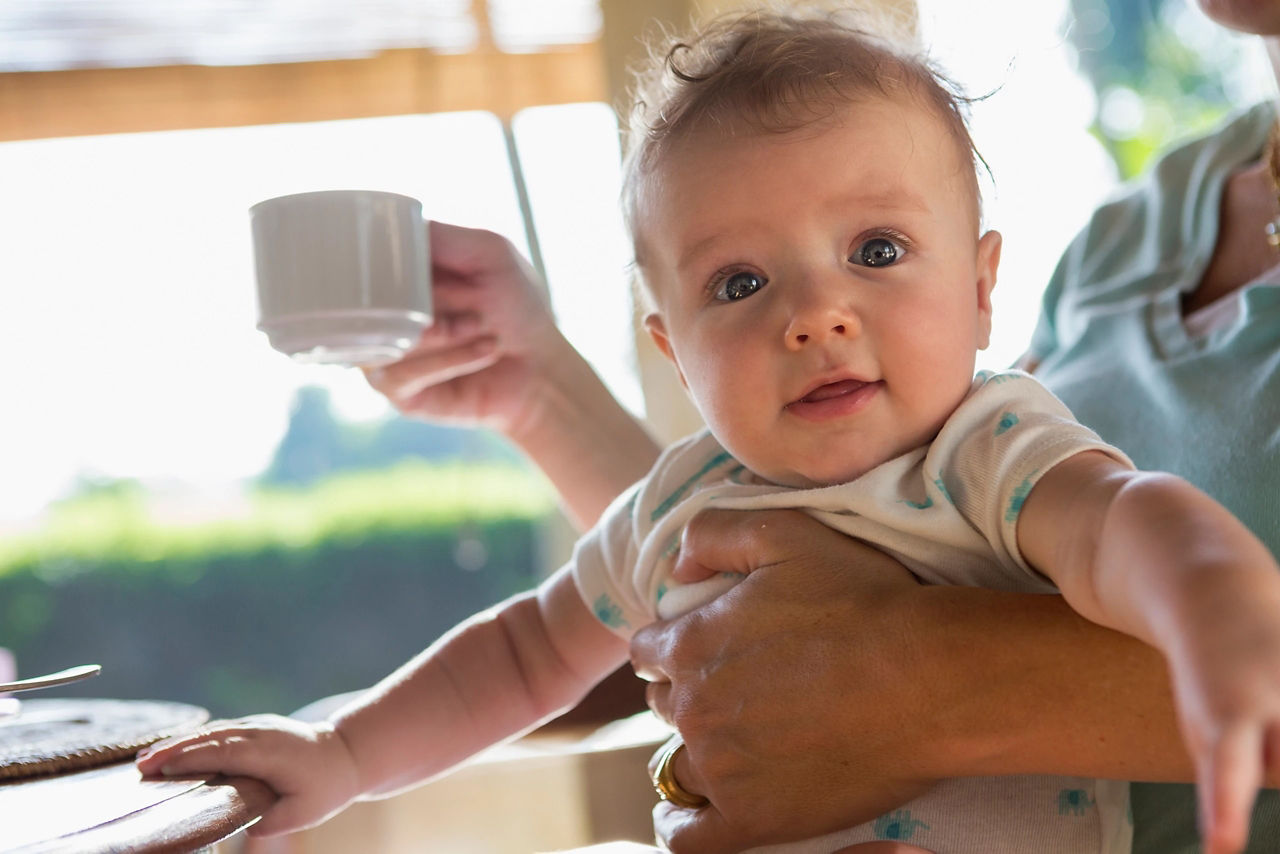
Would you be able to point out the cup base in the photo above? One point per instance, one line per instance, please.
(355, 338)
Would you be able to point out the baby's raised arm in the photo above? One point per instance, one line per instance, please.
(1150, 555)
(494, 676)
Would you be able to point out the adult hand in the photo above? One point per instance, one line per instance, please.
(492, 330)
(765, 684)
(495, 358)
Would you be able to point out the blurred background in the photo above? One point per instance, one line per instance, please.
(218, 525)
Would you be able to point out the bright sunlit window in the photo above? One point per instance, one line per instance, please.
(127, 327)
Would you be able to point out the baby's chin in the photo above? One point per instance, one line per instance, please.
(812, 478)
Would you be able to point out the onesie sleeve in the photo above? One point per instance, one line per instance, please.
(602, 560)
(1006, 434)
(617, 565)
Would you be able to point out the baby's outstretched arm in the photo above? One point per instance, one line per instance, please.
(494, 676)
(1152, 556)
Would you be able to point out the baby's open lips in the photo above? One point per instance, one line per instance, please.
(829, 390)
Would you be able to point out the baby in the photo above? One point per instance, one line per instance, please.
(805, 213)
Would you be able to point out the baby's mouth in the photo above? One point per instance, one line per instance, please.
(836, 399)
(830, 390)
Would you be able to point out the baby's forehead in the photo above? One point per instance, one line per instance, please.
(718, 138)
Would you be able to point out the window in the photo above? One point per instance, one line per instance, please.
(129, 283)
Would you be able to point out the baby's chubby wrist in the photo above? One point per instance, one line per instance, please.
(340, 761)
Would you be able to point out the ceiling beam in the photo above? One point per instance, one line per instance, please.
(35, 105)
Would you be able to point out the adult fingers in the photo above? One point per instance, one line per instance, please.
(768, 689)
(682, 768)
(657, 696)
(732, 541)
(423, 368)
(658, 648)
(460, 304)
(468, 251)
(700, 831)
(743, 542)
(478, 254)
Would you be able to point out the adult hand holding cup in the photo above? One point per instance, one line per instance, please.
(344, 276)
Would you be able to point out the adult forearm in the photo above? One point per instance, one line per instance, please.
(586, 443)
(1023, 684)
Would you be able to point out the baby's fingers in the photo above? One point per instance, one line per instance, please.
(213, 752)
(151, 758)
(253, 747)
(1229, 777)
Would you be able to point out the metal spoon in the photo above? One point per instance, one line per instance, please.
(62, 677)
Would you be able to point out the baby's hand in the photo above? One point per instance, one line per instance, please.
(308, 765)
(1226, 675)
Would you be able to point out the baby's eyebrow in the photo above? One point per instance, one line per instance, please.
(891, 199)
(688, 256)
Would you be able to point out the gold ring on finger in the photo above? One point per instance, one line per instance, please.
(666, 785)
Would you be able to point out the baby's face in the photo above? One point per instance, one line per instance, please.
(822, 292)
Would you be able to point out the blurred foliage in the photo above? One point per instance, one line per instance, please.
(303, 594)
(127, 524)
(358, 546)
(1154, 85)
(317, 444)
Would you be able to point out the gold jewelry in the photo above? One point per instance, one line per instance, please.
(1272, 228)
(666, 785)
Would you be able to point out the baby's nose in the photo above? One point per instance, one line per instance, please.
(816, 324)
(802, 337)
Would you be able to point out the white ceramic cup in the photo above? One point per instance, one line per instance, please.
(344, 276)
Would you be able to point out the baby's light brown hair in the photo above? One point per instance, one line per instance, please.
(776, 71)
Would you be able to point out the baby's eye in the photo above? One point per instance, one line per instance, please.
(877, 252)
(740, 285)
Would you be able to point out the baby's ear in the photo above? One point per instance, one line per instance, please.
(658, 332)
(985, 273)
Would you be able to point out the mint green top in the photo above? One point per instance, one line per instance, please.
(1112, 346)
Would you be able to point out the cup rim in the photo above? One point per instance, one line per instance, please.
(316, 194)
(411, 315)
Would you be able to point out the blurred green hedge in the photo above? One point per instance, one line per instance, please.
(300, 595)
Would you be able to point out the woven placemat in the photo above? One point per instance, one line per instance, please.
(53, 736)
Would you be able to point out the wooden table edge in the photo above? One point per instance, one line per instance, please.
(186, 822)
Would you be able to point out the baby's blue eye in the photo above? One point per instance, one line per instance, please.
(877, 252)
(739, 286)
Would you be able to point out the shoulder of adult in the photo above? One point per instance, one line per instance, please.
(1172, 209)
(1180, 194)
(1161, 226)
